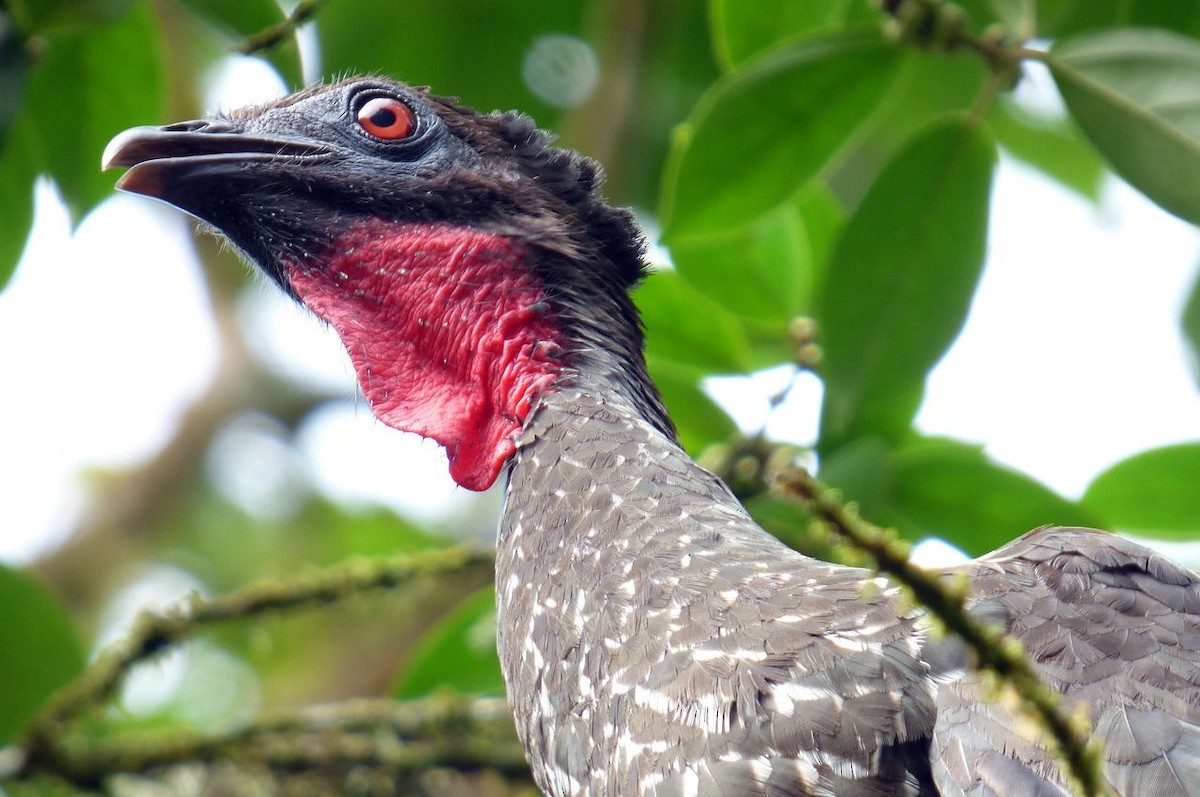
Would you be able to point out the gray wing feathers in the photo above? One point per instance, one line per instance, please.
(1112, 626)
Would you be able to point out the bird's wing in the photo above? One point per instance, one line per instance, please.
(773, 687)
(1112, 626)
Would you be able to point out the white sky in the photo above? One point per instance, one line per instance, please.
(1071, 359)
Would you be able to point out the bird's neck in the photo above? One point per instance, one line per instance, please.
(448, 332)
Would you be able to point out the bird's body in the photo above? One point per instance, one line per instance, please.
(654, 639)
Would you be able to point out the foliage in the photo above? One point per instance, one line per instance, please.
(830, 162)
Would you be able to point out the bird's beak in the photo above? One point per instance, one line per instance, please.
(163, 159)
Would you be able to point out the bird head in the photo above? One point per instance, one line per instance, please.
(467, 264)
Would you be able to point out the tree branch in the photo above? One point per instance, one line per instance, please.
(994, 650)
(269, 37)
(51, 746)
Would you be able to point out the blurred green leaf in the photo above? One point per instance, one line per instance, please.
(1049, 145)
(457, 653)
(14, 71)
(862, 471)
(787, 520)
(742, 30)
(1156, 492)
(1059, 18)
(40, 649)
(46, 15)
(1190, 322)
(95, 86)
(952, 490)
(1136, 96)
(246, 18)
(684, 326)
(19, 156)
(699, 420)
(901, 280)
(421, 45)
(764, 270)
(763, 132)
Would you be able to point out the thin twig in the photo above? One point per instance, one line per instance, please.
(994, 650)
(269, 37)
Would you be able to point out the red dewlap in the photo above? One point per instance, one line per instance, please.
(447, 331)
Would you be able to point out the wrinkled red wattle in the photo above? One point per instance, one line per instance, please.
(444, 327)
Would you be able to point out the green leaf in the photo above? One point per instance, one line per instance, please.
(1190, 321)
(40, 649)
(1136, 96)
(45, 15)
(862, 470)
(110, 78)
(699, 420)
(1153, 493)
(457, 653)
(901, 280)
(760, 134)
(763, 271)
(930, 87)
(246, 18)
(684, 326)
(14, 71)
(1049, 145)
(1060, 18)
(19, 156)
(742, 30)
(952, 490)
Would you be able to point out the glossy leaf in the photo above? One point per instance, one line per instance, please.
(742, 30)
(246, 18)
(40, 649)
(1049, 145)
(458, 653)
(1136, 96)
(1154, 493)
(105, 93)
(952, 490)
(763, 132)
(901, 280)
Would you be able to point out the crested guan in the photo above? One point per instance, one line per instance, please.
(654, 639)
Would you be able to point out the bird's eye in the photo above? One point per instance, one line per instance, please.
(386, 118)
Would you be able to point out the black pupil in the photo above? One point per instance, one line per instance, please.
(384, 117)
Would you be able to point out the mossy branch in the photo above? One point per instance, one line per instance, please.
(994, 650)
(50, 744)
(401, 737)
